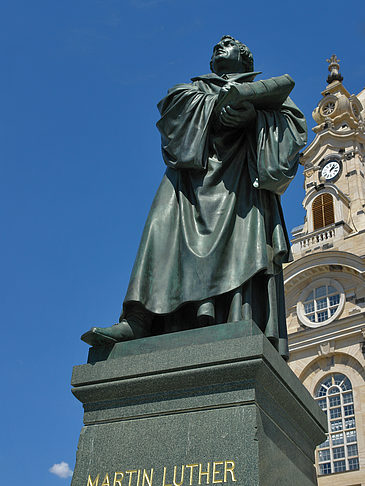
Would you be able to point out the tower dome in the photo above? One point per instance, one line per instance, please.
(337, 110)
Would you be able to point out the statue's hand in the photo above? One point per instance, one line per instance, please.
(224, 90)
(235, 118)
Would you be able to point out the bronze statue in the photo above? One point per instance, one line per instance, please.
(215, 239)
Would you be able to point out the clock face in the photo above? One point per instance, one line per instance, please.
(331, 169)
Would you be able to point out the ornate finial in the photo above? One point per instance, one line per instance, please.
(333, 68)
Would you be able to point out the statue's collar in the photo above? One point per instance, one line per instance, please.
(221, 80)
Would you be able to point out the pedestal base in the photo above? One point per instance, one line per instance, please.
(205, 406)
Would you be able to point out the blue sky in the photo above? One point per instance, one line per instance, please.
(80, 163)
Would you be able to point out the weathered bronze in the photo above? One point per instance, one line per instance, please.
(215, 239)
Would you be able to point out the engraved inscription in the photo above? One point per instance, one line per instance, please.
(197, 474)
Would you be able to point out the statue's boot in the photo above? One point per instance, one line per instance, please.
(136, 324)
(206, 313)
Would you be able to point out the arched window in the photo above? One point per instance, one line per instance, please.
(339, 452)
(323, 212)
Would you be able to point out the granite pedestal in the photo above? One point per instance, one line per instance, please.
(215, 405)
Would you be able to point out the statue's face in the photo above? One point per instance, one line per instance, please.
(226, 56)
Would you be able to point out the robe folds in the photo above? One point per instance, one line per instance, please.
(215, 231)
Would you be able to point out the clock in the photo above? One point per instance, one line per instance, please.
(331, 169)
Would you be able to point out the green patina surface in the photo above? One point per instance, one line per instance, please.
(214, 242)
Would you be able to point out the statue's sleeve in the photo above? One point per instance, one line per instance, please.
(267, 94)
(184, 126)
(280, 136)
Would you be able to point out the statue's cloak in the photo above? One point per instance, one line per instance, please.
(216, 222)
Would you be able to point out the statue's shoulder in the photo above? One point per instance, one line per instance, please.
(183, 92)
(180, 87)
(179, 92)
(207, 77)
(196, 81)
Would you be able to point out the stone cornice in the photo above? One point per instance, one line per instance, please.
(324, 141)
(352, 263)
(339, 329)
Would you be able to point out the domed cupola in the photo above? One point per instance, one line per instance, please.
(337, 110)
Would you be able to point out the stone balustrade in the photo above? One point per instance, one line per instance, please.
(319, 237)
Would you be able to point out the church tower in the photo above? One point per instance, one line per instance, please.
(324, 285)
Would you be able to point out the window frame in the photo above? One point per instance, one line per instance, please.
(335, 449)
(323, 208)
(311, 288)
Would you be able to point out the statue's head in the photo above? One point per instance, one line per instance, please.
(231, 56)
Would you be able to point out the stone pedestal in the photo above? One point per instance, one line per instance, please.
(215, 405)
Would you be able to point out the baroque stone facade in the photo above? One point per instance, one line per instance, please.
(324, 285)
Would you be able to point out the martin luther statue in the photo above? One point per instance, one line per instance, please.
(215, 240)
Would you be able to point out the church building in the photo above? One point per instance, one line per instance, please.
(324, 284)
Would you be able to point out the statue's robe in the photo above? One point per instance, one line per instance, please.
(215, 228)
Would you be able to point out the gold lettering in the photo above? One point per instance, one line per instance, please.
(93, 483)
(181, 476)
(106, 481)
(204, 473)
(215, 472)
(164, 478)
(130, 475)
(118, 481)
(230, 469)
(148, 479)
(145, 477)
(191, 466)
